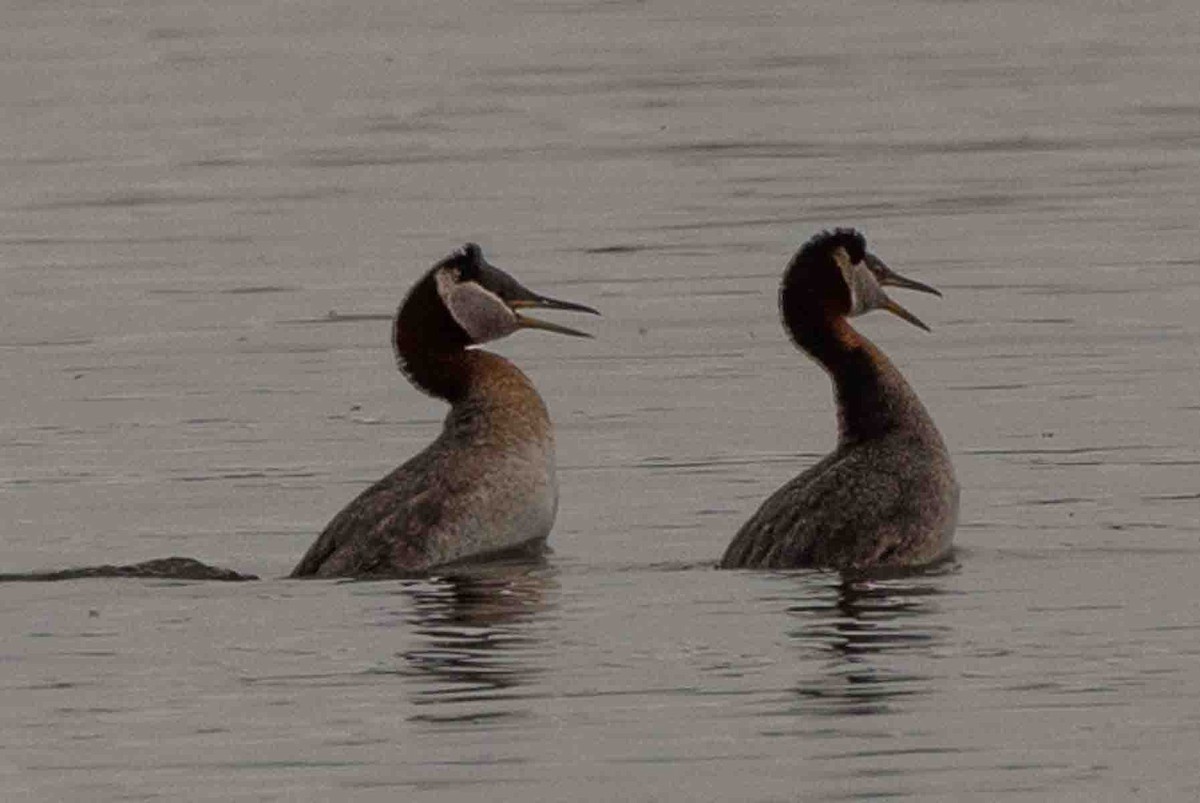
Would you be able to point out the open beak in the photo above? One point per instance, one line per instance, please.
(889, 278)
(534, 301)
(901, 312)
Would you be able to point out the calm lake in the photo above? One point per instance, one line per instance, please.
(211, 210)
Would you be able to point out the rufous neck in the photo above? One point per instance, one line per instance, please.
(872, 397)
(475, 382)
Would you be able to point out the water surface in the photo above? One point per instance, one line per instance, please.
(211, 211)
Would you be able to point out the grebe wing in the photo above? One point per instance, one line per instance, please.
(383, 529)
(843, 512)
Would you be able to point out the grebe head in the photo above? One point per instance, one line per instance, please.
(484, 301)
(836, 270)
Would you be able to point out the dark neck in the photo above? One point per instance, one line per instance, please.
(430, 346)
(443, 374)
(872, 397)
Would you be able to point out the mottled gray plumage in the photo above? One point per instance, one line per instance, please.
(889, 502)
(485, 485)
(886, 496)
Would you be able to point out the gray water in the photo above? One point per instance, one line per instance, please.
(210, 210)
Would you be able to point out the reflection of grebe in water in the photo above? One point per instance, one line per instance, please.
(866, 642)
(487, 484)
(886, 496)
(475, 635)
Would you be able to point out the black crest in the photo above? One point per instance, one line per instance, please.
(467, 260)
(823, 244)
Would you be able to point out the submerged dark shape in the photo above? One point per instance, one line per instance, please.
(167, 568)
(486, 485)
(886, 496)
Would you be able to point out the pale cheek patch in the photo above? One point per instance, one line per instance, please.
(849, 276)
(480, 312)
(865, 292)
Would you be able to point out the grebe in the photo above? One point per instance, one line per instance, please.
(886, 496)
(486, 485)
